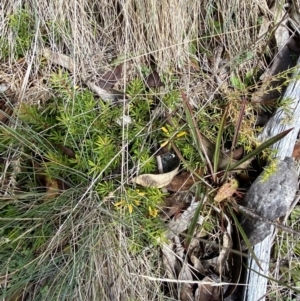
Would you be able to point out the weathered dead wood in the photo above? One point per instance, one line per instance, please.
(270, 197)
(284, 118)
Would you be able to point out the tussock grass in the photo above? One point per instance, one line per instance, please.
(75, 245)
(95, 32)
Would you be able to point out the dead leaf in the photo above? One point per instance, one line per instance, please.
(176, 267)
(282, 34)
(176, 203)
(53, 186)
(264, 27)
(66, 151)
(185, 273)
(201, 267)
(227, 190)
(5, 110)
(186, 292)
(179, 250)
(106, 96)
(235, 263)
(52, 189)
(183, 181)
(169, 259)
(153, 80)
(155, 180)
(182, 223)
(236, 154)
(296, 151)
(207, 292)
(110, 78)
(66, 62)
(223, 256)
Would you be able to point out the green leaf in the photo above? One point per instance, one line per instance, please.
(193, 47)
(262, 147)
(194, 222)
(237, 83)
(244, 236)
(219, 140)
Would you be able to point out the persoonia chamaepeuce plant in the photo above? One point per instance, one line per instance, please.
(66, 191)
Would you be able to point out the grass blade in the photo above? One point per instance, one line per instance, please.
(237, 263)
(218, 141)
(197, 136)
(239, 123)
(262, 147)
(193, 225)
(244, 236)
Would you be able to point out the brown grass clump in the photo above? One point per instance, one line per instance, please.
(142, 32)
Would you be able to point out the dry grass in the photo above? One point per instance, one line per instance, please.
(139, 33)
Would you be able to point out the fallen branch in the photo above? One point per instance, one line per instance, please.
(283, 119)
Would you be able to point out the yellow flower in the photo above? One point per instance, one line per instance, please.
(124, 204)
(120, 204)
(180, 134)
(152, 211)
(164, 143)
(141, 193)
(137, 202)
(165, 130)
